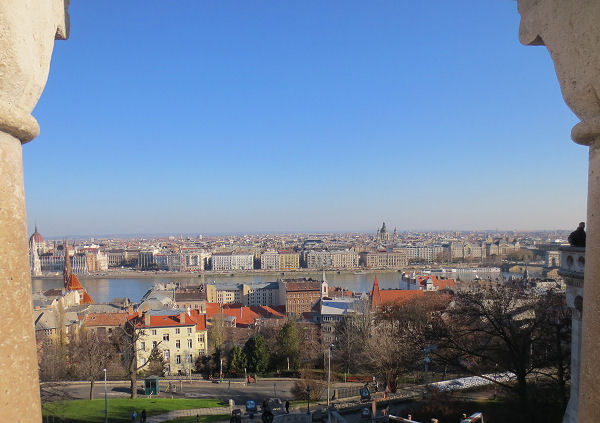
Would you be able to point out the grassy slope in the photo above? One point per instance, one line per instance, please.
(119, 409)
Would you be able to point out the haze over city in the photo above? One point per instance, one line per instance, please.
(229, 117)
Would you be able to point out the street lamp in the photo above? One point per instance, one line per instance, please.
(329, 374)
(308, 398)
(105, 400)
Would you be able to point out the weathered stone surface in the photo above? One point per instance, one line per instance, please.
(570, 31)
(19, 387)
(28, 29)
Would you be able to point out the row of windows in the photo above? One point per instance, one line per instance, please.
(190, 343)
(177, 332)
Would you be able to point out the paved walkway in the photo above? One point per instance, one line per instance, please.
(185, 413)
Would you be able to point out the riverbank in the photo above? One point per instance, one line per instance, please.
(136, 274)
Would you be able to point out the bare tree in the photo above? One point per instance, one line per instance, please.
(507, 328)
(400, 334)
(127, 339)
(90, 355)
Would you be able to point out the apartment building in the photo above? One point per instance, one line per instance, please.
(383, 259)
(319, 260)
(269, 260)
(181, 337)
(299, 295)
(226, 294)
(228, 261)
(289, 260)
(344, 259)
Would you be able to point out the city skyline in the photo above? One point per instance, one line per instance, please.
(303, 117)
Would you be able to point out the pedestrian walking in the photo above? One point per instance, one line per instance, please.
(134, 416)
(144, 415)
(287, 407)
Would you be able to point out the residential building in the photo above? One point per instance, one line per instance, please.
(344, 259)
(229, 261)
(319, 260)
(269, 260)
(225, 294)
(299, 295)
(180, 336)
(333, 311)
(383, 259)
(289, 260)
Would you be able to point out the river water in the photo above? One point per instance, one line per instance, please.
(104, 290)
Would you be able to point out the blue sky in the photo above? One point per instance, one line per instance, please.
(300, 115)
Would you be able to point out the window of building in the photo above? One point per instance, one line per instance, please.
(189, 330)
(167, 354)
(153, 331)
(200, 338)
(176, 331)
(178, 344)
(165, 337)
(189, 343)
(143, 346)
(178, 359)
(190, 358)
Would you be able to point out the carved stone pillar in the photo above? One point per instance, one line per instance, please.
(570, 31)
(28, 29)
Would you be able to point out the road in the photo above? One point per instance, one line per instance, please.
(240, 392)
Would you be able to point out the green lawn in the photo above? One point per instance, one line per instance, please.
(202, 419)
(119, 409)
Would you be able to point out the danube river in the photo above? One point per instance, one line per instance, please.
(104, 290)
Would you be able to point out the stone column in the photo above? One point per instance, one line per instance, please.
(28, 29)
(570, 31)
(19, 385)
(589, 386)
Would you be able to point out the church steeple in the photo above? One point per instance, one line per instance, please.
(68, 269)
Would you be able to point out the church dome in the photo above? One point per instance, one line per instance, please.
(37, 237)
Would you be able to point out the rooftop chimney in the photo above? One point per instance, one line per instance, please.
(182, 317)
(146, 319)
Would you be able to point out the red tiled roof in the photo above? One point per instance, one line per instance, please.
(194, 318)
(303, 286)
(244, 315)
(381, 297)
(438, 283)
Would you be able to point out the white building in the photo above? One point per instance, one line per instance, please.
(319, 260)
(269, 260)
(227, 261)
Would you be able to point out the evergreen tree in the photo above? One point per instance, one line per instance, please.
(156, 364)
(288, 341)
(237, 360)
(257, 354)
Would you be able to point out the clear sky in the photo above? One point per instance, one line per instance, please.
(201, 116)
